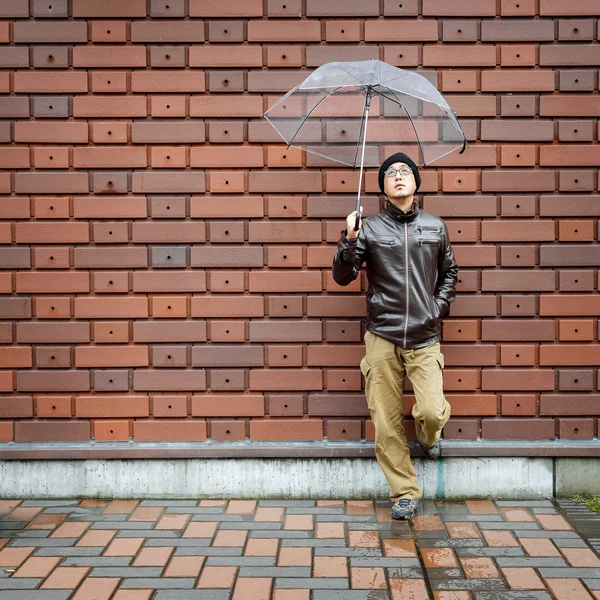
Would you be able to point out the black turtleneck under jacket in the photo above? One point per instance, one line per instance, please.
(411, 270)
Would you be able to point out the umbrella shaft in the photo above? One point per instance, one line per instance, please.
(362, 158)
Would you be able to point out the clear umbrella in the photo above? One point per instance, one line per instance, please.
(327, 115)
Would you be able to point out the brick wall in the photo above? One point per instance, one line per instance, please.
(165, 273)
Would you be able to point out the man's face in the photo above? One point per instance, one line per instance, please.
(399, 186)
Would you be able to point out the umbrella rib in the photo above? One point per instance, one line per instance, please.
(411, 122)
(311, 112)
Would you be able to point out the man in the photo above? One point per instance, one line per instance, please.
(412, 275)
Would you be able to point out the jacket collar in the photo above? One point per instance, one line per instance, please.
(396, 214)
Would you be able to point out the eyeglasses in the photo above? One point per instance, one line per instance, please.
(404, 171)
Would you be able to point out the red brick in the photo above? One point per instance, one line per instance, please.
(48, 282)
(286, 379)
(109, 8)
(226, 156)
(111, 356)
(109, 31)
(569, 404)
(519, 405)
(111, 107)
(108, 156)
(111, 406)
(459, 56)
(169, 431)
(570, 354)
(412, 31)
(212, 8)
(108, 431)
(219, 56)
(517, 80)
(577, 155)
(571, 305)
(517, 429)
(470, 8)
(576, 330)
(112, 82)
(6, 431)
(111, 307)
(517, 379)
(167, 81)
(575, 8)
(285, 281)
(52, 431)
(228, 405)
(115, 207)
(54, 407)
(157, 30)
(36, 81)
(236, 106)
(169, 380)
(286, 429)
(168, 181)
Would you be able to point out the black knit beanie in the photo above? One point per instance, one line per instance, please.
(394, 158)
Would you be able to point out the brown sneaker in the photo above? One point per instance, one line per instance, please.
(404, 508)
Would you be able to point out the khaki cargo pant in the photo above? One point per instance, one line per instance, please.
(385, 366)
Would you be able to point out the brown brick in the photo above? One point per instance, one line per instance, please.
(108, 307)
(109, 8)
(518, 80)
(109, 431)
(171, 81)
(174, 182)
(236, 106)
(111, 257)
(519, 405)
(280, 80)
(53, 381)
(17, 106)
(55, 407)
(48, 282)
(461, 429)
(571, 105)
(157, 30)
(173, 281)
(517, 379)
(115, 207)
(517, 429)
(228, 405)
(286, 379)
(169, 431)
(111, 406)
(285, 281)
(569, 354)
(16, 407)
(279, 429)
(52, 431)
(60, 332)
(228, 356)
(569, 404)
(51, 183)
(64, 82)
(222, 306)
(226, 156)
(285, 331)
(517, 280)
(169, 331)
(111, 107)
(337, 405)
(112, 82)
(279, 231)
(425, 30)
(111, 356)
(169, 380)
(576, 428)
(572, 305)
(229, 256)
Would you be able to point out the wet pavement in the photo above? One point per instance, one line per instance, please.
(296, 550)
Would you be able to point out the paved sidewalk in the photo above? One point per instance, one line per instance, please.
(296, 550)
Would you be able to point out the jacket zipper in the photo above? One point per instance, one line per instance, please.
(407, 279)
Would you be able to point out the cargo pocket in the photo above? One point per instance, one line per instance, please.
(440, 360)
(365, 367)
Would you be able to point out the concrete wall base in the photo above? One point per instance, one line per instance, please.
(352, 478)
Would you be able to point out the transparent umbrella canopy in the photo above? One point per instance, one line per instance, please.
(327, 115)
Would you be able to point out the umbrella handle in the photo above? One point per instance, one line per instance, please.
(357, 221)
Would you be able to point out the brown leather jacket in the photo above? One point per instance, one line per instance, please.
(411, 270)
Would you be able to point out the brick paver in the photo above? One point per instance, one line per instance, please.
(292, 550)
